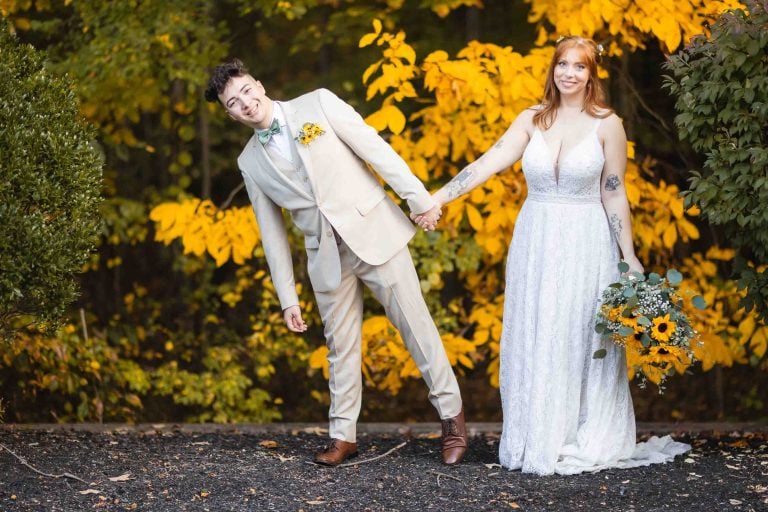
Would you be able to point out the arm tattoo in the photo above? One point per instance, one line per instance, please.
(459, 183)
(612, 182)
(615, 222)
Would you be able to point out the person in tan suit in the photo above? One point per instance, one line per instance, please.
(311, 157)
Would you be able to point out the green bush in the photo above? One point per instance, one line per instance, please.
(50, 177)
(721, 89)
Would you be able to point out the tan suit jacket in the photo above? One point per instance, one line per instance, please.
(347, 195)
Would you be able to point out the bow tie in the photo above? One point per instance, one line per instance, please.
(265, 135)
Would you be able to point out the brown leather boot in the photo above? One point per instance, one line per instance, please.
(336, 452)
(454, 441)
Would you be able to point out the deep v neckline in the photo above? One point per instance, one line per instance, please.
(557, 160)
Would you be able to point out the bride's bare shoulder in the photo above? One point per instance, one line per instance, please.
(526, 116)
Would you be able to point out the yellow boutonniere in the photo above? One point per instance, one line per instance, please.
(308, 133)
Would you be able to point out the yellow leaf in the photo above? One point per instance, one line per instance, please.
(475, 219)
(368, 39)
(670, 236)
(371, 70)
(387, 117)
(319, 360)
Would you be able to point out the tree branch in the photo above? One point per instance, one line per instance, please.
(232, 195)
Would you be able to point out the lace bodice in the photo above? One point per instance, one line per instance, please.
(579, 170)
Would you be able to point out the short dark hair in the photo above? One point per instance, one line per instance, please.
(221, 76)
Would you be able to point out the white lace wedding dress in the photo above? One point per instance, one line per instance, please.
(565, 412)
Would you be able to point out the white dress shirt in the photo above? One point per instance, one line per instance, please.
(280, 142)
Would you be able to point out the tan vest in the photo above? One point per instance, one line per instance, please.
(328, 250)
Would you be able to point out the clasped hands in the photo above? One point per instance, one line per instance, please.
(427, 220)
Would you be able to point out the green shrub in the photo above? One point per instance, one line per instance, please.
(721, 89)
(50, 177)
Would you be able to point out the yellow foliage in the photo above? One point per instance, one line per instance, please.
(319, 360)
(628, 23)
(224, 234)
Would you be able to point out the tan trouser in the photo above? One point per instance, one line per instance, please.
(396, 286)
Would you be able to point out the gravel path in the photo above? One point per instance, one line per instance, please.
(226, 468)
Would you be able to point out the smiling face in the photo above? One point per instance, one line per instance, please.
(571, 73)
(246, 101)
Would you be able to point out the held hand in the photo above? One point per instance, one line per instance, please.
(427, 220)
(293, 320)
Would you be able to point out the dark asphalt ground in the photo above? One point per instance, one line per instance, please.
(226, 468)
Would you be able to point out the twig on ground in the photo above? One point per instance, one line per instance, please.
(439, 474)
(24, 462)
(347, 464)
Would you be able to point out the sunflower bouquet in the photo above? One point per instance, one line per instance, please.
(645, 315)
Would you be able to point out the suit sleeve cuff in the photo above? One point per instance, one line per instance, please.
(287, 298)
(422, 203)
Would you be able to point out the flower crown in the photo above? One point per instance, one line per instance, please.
(599, 46)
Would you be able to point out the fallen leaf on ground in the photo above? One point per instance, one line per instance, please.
(735, 502)
(268, 443)
(315, 502)
(285, 459)
(316, 430)
(89, 491)
(122, 478)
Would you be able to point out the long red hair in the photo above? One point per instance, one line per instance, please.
(594, 99)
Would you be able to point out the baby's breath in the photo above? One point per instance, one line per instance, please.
(645, 314)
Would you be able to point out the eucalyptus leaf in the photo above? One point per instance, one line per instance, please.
(654, 278)
(645, 340)
(599, 354)
(623, 267)
(644, 321)
(629, 292)
(633, 301)
(674, 277)
(625, 330)
(699, 302)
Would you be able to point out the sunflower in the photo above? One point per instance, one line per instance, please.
(632, 323)
(612, 313)
(663, 328)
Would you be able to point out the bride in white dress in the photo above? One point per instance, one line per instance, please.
(564, 412)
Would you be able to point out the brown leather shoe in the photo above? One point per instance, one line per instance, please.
(454, 439)
(336, 452)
